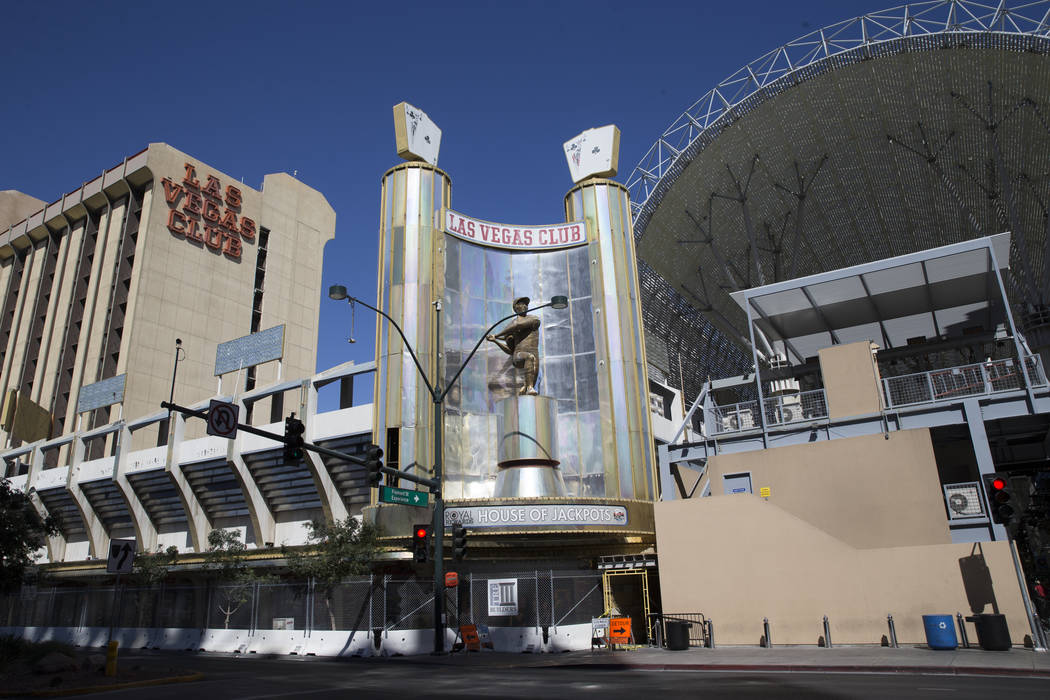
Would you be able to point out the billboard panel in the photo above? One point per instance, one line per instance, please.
(250, 350)
(104, 393)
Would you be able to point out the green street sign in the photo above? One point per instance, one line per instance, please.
(403, 497)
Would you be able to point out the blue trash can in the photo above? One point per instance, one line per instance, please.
(940, 631)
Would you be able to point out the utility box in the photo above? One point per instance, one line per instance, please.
(992, 632)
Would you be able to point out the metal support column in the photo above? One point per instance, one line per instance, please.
(983, 453)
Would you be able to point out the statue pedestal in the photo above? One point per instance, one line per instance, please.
(528, 448)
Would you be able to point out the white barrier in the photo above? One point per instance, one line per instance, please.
(340, 643)
(176, 638)
(569, 638)
(224, 640)
(319, 643)
(276, 641)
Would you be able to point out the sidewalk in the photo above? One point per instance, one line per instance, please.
(912, 659)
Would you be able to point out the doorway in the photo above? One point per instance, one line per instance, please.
(736, 483)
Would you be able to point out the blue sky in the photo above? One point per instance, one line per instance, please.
(259, 87)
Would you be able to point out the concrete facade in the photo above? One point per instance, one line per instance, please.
(16, 206)
(163, 246)
(176, 493)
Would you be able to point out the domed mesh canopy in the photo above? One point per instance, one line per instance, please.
(883, 135)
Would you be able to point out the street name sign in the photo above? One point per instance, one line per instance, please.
(403, 497)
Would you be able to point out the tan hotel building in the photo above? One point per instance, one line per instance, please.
(101, 281)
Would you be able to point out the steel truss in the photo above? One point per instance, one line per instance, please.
(860, 38)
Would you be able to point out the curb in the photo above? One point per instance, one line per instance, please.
(803, 668)
(58, 692)
(625, 664)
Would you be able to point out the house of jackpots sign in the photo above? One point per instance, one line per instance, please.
(536, 515)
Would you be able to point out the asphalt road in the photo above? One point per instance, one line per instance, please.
(259, 678)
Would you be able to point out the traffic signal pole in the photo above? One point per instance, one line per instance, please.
(354, 459)
(1038, 637)
(1007, 508)
(438, 390)
(439, 504)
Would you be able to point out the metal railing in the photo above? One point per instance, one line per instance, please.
(794, 407)
(698, 625)
(779, 410)
(958, 382)
(734, 417)
(922, 387)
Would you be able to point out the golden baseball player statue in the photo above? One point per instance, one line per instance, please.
(520, 340)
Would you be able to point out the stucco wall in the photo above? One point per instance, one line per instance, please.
(738, 559)
(869, 491)
(851, 380)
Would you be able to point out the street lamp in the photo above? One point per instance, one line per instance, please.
(438, 393)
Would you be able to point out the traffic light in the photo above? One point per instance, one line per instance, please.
(1000, 497)
(421, 543)
(459, 542)
(1041, 559)
(374, 464)
(294, 443)
(1009, 497)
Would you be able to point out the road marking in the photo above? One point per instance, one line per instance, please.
(292, 693)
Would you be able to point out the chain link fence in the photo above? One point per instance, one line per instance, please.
(576, 599)
(522, 599)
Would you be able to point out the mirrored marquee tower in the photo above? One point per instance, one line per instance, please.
(410, 279)
(591, 360)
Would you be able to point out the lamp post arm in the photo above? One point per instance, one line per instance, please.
(408, 345)
(477, 345)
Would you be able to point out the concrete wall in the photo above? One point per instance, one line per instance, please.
(301, 221)
(851, 380)
(738, 559)
(184, 289)
(15, 206)
(176, 285)
(870, 491)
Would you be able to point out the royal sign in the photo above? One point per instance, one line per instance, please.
(514, 236)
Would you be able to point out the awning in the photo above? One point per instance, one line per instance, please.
(930, 295)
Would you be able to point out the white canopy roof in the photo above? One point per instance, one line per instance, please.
(948, 291)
